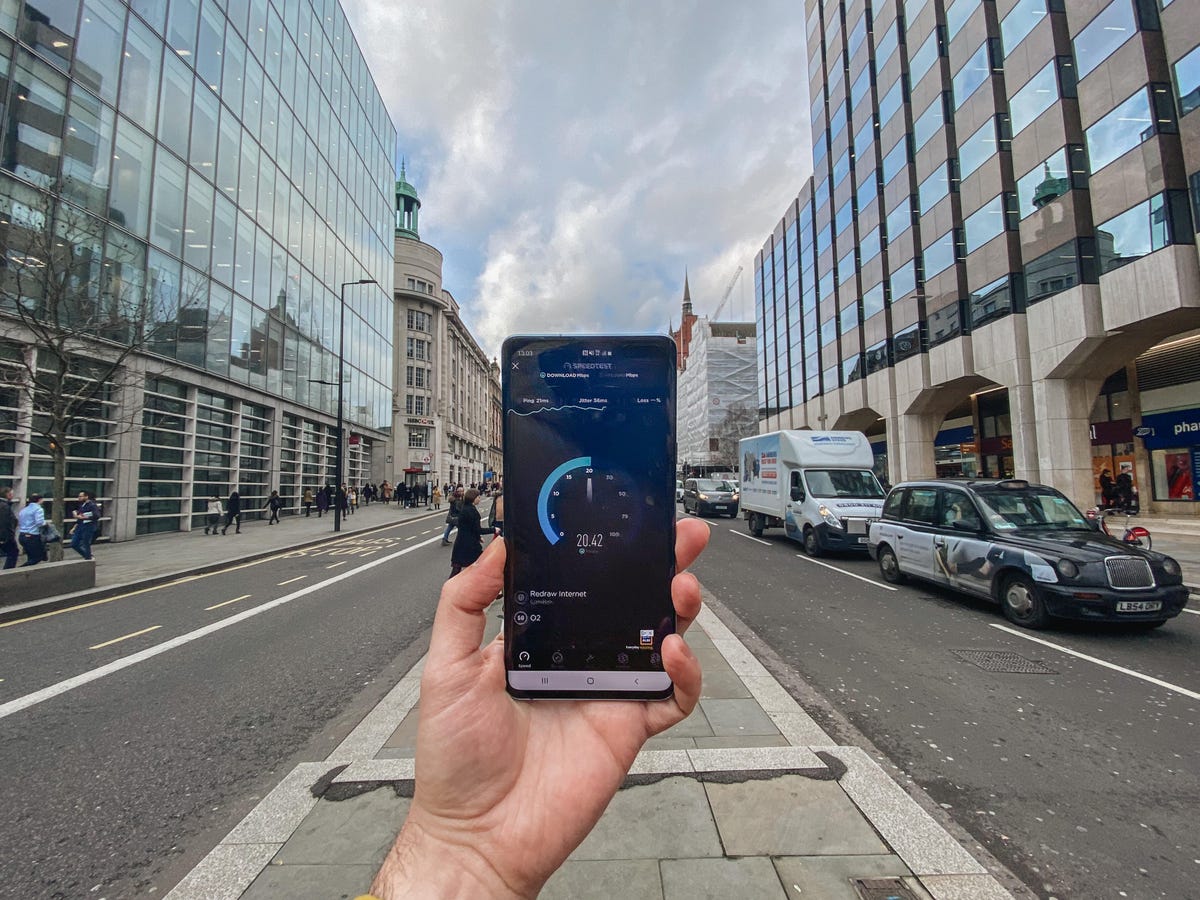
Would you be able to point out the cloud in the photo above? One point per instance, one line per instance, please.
(574, 158)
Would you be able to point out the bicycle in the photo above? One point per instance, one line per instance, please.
(1134, 535)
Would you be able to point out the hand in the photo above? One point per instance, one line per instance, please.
(506, 789)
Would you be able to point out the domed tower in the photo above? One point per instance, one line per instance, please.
(408, 204)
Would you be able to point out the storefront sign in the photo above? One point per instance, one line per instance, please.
(428, 423)
(1178, 428)
(1118, 432)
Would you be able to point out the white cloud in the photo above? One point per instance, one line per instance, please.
(574, 157)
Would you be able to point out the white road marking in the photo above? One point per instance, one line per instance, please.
(1194, 612)
(124, 638)
(335, 565)
(227, 602)
(749, 537)
(886, 587)
(290, 580)
(21, 703)
(1100, 662)
(411, 538)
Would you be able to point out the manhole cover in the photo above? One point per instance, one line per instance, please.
(882, 889)
(1004, 661)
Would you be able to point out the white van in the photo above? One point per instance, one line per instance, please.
(817, 485)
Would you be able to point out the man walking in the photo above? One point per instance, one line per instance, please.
(87, 517)
(274, 504)
(8, 528)
(30, 522)
(233, 512)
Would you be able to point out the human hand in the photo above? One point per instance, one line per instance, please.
(506, 789)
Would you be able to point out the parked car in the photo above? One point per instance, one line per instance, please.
(1024, 546)
(708, 495)
(678, 491)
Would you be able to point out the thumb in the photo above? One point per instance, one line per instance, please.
(460, 621)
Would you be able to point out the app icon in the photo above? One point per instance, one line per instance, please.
(623, 659)
(655, 659)
(521, 597)
(557, 657)
(647, 637)
(523, 656)
(520, 618)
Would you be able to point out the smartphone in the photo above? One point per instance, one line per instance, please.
(589, 514)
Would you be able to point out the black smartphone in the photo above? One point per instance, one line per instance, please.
(589, 514)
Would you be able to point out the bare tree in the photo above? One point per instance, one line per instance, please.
(741, 420)
(75, 302)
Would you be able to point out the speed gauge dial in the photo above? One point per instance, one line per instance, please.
(586, 507)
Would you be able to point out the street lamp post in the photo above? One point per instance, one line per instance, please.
(341, 384)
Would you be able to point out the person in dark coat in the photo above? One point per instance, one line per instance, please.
(274, 504)
(9, 548)
(468, 543)
(322, 501)
(1107, 489)
(233, 512)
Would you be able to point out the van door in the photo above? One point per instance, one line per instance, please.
(793, 508)
(915, 547)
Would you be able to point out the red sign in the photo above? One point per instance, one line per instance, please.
(355, 440)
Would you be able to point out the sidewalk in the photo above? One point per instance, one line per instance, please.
(748, 797)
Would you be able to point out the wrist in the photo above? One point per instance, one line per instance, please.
(420, 866)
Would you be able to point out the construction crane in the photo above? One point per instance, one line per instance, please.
(725, 297)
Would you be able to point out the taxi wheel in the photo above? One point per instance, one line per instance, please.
(889, 566)
(811, 545)
(1022, 604)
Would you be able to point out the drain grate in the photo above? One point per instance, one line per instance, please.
(882, 889)
(1004, 661)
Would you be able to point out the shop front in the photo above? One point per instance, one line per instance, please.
(1112, 460)
(1172, 441)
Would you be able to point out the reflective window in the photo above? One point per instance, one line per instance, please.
(867, 191)
(943, 324)
(906, 343)
(130, 197)
(885, 46)
(1023, 18)
(837, 121)
(860, 88)
(208, 45)
(939, 255)
(895, 160)
(203, 153)
(891, 102)
(34, 133)
(51, 28)
(140, 76)
(98, 56)
(181, 27)
(841, 168)
(1109, 30)
(869, 245)
(974, 72)
(1034, 98)
(228, 154)
(88, 151)
(1052, 273)
(921, 61)
(985, 223)
(829, 332)
(865, 136)
(957, 14)
(170, 178)
(846, 268)
(824, 239)
(1065, 170)
(1120, 131)
(844, 217)
(992, 301)
(929, 122)
(224, 225)
(876, 357)
(233, 72)
(903, 280)
(977, 149)
(1151, 225)
(872, 301)
(1187, 82)
(197, 241)
(899, 218)
(857, 34)
(933, 189)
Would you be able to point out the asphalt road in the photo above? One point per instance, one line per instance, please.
(119, 785)
(1084, 780)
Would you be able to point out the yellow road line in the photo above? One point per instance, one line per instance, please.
(227, 602)
(335, 565)
(125, 638)
(290, 580)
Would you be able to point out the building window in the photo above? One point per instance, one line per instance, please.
(896, 159)
(1052, 272)
(1120, 131)
(992, 301)
(904, 280)
(1105, 33)
(1187, 82)
(891, 101)
(876, 357)
(921, 61)
(929, 122)
(994, 217)
(906, 343)
(1064, 171)
(943, 325)
(1023, 18)
(933, 189)
(1151, 225)
(940, 254)
(1038, 94)
(977, 149)
(418, 321)
(418, 438)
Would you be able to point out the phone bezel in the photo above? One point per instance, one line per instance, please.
(508, 349)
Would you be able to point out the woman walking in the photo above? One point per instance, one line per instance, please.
(437, 497)
(468, 543)
(213, 515)
(307, 500)
(452, 515)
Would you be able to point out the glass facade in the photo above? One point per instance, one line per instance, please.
(231, 163)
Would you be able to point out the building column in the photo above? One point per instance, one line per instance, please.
(122, 515)
(1024, 404)
(1063, 436)
(914, 445)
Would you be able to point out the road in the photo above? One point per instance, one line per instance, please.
(119, 785)
(1084, 780)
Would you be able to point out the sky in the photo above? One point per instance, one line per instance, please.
(574, 159)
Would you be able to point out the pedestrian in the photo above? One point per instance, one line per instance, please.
(274, 504)
(212, 515)
(233, 512)
(343, 501)
(322, 500)
(87, 519)
(452, 514)
(352, 501)
(437, 497)
(8, 528)
(1124, 489)
(30, 522)
(468, 543)
(1107, 489)
(307, 500)
(496, 517)
(401, 494)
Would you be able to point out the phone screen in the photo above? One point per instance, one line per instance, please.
(589, 490)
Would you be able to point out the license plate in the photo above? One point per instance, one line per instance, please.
(720, 506)
(1139, 605)
(862, 540)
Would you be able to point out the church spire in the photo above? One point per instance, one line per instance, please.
(687, 296)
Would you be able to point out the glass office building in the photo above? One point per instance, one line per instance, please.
(1001, 220)
(230, 161)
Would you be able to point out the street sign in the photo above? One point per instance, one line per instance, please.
(425, 458)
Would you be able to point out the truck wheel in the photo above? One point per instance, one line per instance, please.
(889, 566)
(755, 523)
(1022, 603)
(811, 545)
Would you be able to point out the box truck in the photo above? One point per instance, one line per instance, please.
(819, 486)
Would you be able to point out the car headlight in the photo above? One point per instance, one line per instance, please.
(1067, 569)
(1170, 566)
(704, 496)
(828, 515)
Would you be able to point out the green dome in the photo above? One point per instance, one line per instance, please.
(407, 204)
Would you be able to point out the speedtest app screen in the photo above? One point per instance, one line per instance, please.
(589, 503)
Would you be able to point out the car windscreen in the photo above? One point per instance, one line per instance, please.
(706, 484)
(1043, 508)
(729, 486)
(858, 484)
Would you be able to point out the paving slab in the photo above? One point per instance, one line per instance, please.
(720, 879)
(748, 740)
(790, 816)
(359, 830)
(585, 879)
(666, 820)
(722, 682)
(828, 877)
(695, 725)
(311, 883)
(737, 717)
(965, 887)
(405, 735)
